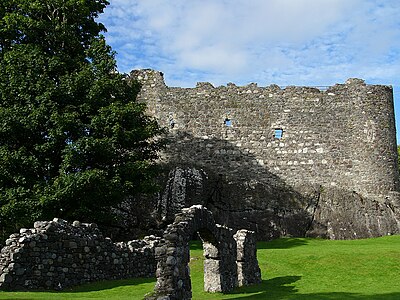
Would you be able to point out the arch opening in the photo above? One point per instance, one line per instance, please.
(224, 267)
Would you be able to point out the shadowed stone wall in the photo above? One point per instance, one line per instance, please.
(267, 158)
(246, 261)
(56, 254)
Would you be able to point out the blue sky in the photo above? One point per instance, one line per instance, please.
(286, 42)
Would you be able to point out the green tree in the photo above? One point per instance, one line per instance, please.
(73, 140)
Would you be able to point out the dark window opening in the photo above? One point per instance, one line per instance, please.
(278, 133)
(228, 122)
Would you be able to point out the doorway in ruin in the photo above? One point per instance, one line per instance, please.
(173, 255)
(219, 261)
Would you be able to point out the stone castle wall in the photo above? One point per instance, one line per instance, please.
(337, 142)
(344, 136)
(56, 255)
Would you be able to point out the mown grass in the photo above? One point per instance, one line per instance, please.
(293, 268)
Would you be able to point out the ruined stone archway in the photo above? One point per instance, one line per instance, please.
(224, 267)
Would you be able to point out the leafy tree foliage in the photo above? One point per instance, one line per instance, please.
(73, 141)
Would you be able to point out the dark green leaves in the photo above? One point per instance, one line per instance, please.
(73, 140)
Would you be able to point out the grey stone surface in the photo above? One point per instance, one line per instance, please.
(247, 264)
(226, 254)
(223, 152)
(56, 255)
(344, 214)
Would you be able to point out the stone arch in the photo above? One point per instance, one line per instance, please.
(220, 253)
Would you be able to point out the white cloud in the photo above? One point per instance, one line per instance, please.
(307, 42)
(240, 39)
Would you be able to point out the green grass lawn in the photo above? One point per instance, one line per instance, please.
(291, 268)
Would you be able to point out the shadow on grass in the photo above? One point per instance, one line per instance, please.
(321, 296)
(115, 289)
(279, 288)
(347, 296)
(274, 288)
(283, 243)
(106, 285)
(196, 245)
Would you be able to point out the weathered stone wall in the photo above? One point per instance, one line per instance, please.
(340, 139)
(230, 258)
(343, 136)
(56, 254)
(247, 265)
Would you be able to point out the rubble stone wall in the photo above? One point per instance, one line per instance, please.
(57, 254)
(343, 136)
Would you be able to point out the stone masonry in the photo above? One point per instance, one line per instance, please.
(282, 162)
(230, 259)
(57, 254)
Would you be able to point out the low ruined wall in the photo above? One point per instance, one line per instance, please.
(57, 254)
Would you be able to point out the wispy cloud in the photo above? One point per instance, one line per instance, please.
(283, 41)
(301, 42)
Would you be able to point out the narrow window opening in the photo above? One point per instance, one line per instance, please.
(228, 122)
(171, 123)
(278, 133)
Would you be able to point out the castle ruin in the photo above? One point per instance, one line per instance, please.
(57, 255)
(295, 161)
